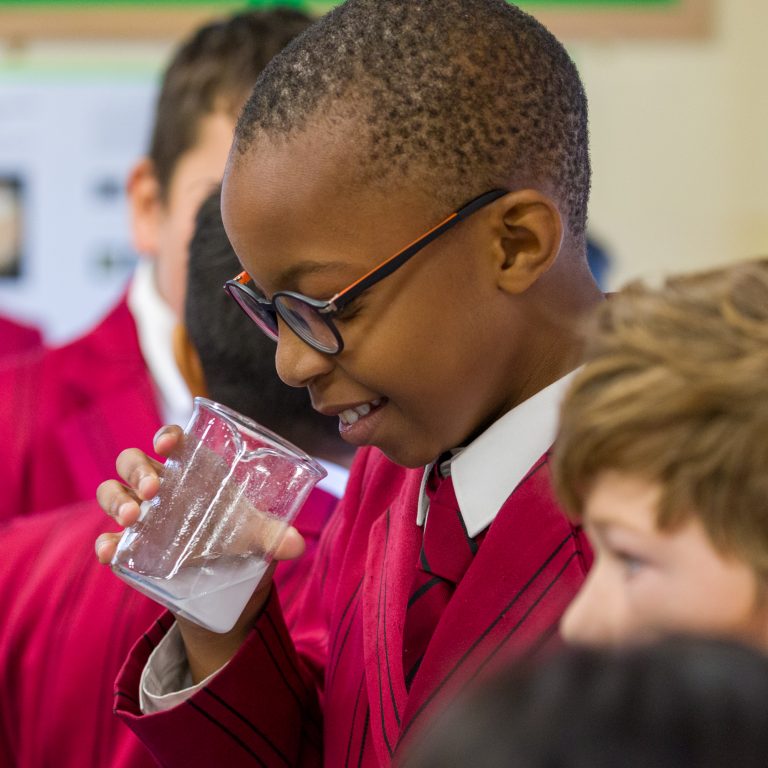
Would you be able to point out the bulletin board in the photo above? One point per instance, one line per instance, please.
(570, 19)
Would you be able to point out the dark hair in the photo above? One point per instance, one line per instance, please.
(238, 360)
(214, 70)
(684, 702)
(460, 95)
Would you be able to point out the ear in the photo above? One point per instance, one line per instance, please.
(188, 362)
(146, 206)
(530, 235)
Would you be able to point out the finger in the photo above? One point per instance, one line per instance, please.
(167, 438)
(263, 535)
(106, 544)
(118, 502)
(141, 473)
(291, 546)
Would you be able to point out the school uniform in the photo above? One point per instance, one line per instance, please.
(16, 338)
(67, 412)
(335, 690)
(67, 625)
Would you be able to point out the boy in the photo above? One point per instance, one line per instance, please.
(67, 626)
(119, 382)
(363, 135)
(662, 453)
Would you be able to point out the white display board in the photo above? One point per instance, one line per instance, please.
(66, 146)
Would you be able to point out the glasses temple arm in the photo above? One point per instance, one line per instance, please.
(392, 264)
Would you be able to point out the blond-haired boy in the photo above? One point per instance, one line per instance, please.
(663, 453)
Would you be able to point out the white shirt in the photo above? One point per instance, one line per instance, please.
(155, 323)
(487, 471)
(484, 475)
(335, 482)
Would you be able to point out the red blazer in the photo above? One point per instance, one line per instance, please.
(67, 624)
(333, 692)
(16, 338)
(65, 414)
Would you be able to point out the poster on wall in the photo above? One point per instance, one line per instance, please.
(66, 147)
(570, 19)
(11, 227)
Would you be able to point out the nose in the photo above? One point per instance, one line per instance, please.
(593, 618)
(297, 363)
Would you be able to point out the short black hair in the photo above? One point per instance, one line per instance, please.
(214, 70)
(461, 95)
(238, 360)
(683, 702)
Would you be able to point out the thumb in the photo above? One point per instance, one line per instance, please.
(291, 546)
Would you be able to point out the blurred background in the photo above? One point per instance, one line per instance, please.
(679, 121)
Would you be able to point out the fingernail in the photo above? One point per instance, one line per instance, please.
(101, 546)
(122, 511)
(160, 432)
(146, 480)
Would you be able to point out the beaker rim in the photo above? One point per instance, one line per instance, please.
(259, 430)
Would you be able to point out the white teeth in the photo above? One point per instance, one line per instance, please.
(351, 415)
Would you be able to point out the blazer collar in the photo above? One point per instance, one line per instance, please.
(487, 471)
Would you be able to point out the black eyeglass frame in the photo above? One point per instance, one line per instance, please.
(238, 289)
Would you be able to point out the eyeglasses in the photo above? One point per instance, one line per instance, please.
(312, 320)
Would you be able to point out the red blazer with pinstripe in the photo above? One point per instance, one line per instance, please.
(67, 624)
(66, 413)
(16, 337)
(332, 691)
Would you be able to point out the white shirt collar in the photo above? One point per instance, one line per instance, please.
(155, 323)
(335, 482)
(487, 471)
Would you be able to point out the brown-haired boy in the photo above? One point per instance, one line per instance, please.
(663, 454)
(117, 384)
(458, 127)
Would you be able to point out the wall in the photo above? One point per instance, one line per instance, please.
(73, 120)
(680, 145)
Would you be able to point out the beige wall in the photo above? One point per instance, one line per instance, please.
(679, 137)
(680, 145)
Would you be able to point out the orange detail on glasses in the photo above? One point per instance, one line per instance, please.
(243, 278)
(383, 263)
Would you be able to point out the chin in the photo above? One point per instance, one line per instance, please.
(409, 455)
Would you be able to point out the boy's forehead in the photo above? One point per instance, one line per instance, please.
(310, 185)
(283, 190)
(622, 499)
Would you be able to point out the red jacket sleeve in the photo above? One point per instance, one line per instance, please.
(261, 709)
(265, 707)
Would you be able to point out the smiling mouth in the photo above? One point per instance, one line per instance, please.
(350, 416)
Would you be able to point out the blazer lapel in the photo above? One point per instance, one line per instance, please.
(509, 602)
(393, 549)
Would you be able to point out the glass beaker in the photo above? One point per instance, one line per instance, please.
(227, 495)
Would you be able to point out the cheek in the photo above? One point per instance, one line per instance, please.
(599, 614)
(724, 602)
(424, 366)
(173, 261)
(711, 601)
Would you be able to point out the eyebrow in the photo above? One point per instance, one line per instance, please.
(605, 528)
(288, 278)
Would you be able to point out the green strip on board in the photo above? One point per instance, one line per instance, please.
(312, 4)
